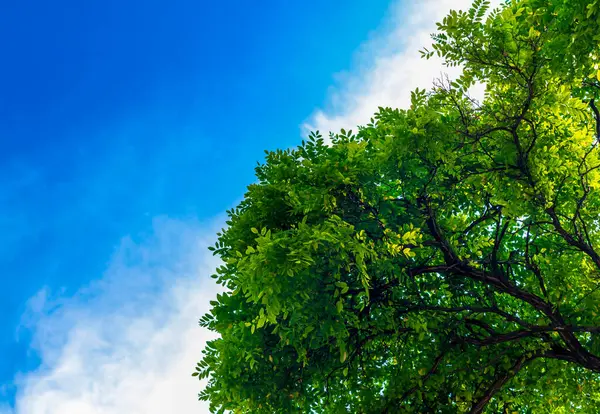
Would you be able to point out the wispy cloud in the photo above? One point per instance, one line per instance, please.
(389, 67)
(129, 342)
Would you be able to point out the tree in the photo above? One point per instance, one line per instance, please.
(445, 258)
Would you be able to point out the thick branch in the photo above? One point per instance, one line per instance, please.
(596, 117)
(497, 385)
(457, 267)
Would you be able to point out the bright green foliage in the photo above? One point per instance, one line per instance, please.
(445, 258)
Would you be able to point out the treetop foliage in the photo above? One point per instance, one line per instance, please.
(443, 258)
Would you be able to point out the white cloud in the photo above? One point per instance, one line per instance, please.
(128, 343)
(389, 67)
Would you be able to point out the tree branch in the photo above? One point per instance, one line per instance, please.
(497, 385)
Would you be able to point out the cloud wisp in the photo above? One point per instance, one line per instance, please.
(129, 342)
(389, 67)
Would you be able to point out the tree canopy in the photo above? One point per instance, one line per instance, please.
(443, 258)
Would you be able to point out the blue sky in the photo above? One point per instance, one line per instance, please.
(127, 129)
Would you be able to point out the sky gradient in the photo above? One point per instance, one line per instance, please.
(113, 113)
(128, 128)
